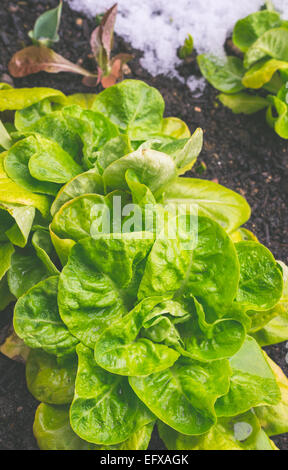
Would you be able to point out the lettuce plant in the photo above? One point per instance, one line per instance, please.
(45, 31)
(41, 58)
(258, 80)
(187, 48)
(130, 326)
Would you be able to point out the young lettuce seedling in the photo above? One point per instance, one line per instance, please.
(101, 42)
(45, 31)
(41, 58)
(187, 48)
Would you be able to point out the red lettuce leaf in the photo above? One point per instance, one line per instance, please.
(34, 59)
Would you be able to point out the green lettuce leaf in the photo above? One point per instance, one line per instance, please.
(263, 322)
(210, 341)
(85, 100)
(45, 251)
(49, 379)
(13, 98)
(26, 117)
(108, 265)
(54, 126)
(40, 165)
(175, 127)
(37, 320)
(93, 128)
(12, 193)
(84, 216)
(273, 43)
(183, 151)
(221, 204)
(53, 431)
(184, 395)
(276, 331)
(243, 102)
(261, 281)
(274, 419)
(6, 297)
(209, 271)
(136, 108)
(262, 73)
(100, 398)
(252, 382)
(6, 252)
(242, 432)
(154, 169)
(85, 183)
(225, 77)
(26, 270)
(119, 351)
(250, 28)
(113, 150)
(18, 222)
(277, 115)
(62, 246)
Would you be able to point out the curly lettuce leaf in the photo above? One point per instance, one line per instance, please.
(119, 351)
(205, 341)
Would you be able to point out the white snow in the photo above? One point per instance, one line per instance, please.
(159, 27)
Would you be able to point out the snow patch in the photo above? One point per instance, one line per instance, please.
(159, 27)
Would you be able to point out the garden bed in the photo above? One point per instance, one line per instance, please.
(240, 152)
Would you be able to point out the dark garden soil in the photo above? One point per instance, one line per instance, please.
(240, 152)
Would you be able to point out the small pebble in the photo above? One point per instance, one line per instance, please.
(13, 8)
